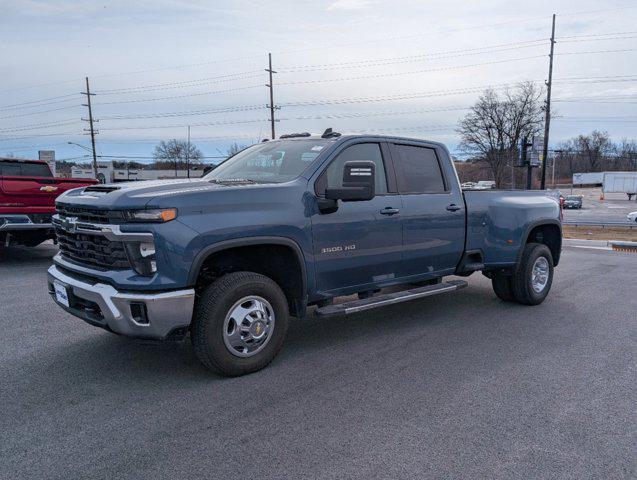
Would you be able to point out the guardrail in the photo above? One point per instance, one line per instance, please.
(593, 223)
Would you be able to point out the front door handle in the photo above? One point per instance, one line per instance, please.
(389, 211)
(453, 207)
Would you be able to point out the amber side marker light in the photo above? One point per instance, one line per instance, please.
(168, 215)
(152, 216)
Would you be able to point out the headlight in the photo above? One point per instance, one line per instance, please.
(151, 216)
(142, 257)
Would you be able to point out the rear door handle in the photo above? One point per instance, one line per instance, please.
(389, 211)
(453, 207)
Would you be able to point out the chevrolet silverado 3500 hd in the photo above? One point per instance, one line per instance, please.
(287, 224)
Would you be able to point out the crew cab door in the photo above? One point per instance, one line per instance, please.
(433, 212)
(361, 242)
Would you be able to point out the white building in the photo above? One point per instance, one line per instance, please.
(107, 173)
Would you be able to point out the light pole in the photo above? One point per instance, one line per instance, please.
(88, 150)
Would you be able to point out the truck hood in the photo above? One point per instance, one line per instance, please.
(157, 193)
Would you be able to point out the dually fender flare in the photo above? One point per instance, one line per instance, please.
(529, 229)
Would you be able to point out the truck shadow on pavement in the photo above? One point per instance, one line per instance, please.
(104, 357)
(27, 256)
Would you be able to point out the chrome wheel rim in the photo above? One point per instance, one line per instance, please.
(540, 274)
(248, 326)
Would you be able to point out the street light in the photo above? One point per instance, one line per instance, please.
(88, 150)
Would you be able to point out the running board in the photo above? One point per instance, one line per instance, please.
(356, 306)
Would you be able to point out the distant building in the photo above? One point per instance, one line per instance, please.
(107, 173)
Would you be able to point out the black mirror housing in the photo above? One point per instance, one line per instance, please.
(359, 182)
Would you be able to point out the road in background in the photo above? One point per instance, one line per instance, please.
(455, 386)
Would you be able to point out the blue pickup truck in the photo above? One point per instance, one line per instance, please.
(284, 225)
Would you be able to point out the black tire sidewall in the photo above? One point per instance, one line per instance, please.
(503, 287)
(215, 305)
(522, 280)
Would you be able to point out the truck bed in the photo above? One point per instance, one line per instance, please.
(498, 220)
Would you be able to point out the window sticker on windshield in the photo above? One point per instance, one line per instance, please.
(317, 148)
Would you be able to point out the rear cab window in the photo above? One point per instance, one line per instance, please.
(24, 169)
(418, 170)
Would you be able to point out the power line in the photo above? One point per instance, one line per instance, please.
(40, 112)
(207, 124)
(575, 40)
(36, 101)
(436, 33)
(413, 72)
(244, 108)
(59, 134)
(419, 57)
(598, 51)
(179, 96)
(182, 84)
(597, 35)
(55, 102)
(300, 118)
(40, 126)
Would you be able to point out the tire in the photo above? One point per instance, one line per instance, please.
(522, 281)
(213, 328)
(503, 287)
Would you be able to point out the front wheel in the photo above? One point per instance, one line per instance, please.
(240, 323)
(533, 276)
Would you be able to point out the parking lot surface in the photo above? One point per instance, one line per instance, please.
(613, 208)
(455, 386)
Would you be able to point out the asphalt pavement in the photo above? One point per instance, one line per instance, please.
(613, 208)
(456, 386)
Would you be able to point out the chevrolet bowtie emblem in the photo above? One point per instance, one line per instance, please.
(48, 188)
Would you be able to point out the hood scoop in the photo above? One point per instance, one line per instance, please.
(103, 189)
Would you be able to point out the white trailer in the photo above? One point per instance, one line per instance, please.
(591, 178)
(620, 182)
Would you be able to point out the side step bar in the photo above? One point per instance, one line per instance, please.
(356, 306)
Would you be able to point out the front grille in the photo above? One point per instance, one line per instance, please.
(92, 250)
(90, 215)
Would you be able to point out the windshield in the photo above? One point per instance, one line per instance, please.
(572, 197)
(269, 162)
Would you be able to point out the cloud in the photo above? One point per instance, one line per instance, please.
(351, 4)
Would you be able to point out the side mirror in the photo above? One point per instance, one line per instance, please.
(359, 181)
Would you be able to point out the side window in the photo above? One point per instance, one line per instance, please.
(419, 170)
(361, 151)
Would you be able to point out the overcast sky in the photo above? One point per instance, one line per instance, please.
(403, 67)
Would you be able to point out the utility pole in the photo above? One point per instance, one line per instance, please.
(547, 108)
(188, 154)
(90, 121)
(270, 85)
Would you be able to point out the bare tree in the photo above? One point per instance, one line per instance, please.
(595, 147)
(494, 126)
(175, 153)
(234, 149)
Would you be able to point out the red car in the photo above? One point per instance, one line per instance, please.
(28, 191)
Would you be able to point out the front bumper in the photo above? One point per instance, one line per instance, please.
(18, 222)
(144, 315)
